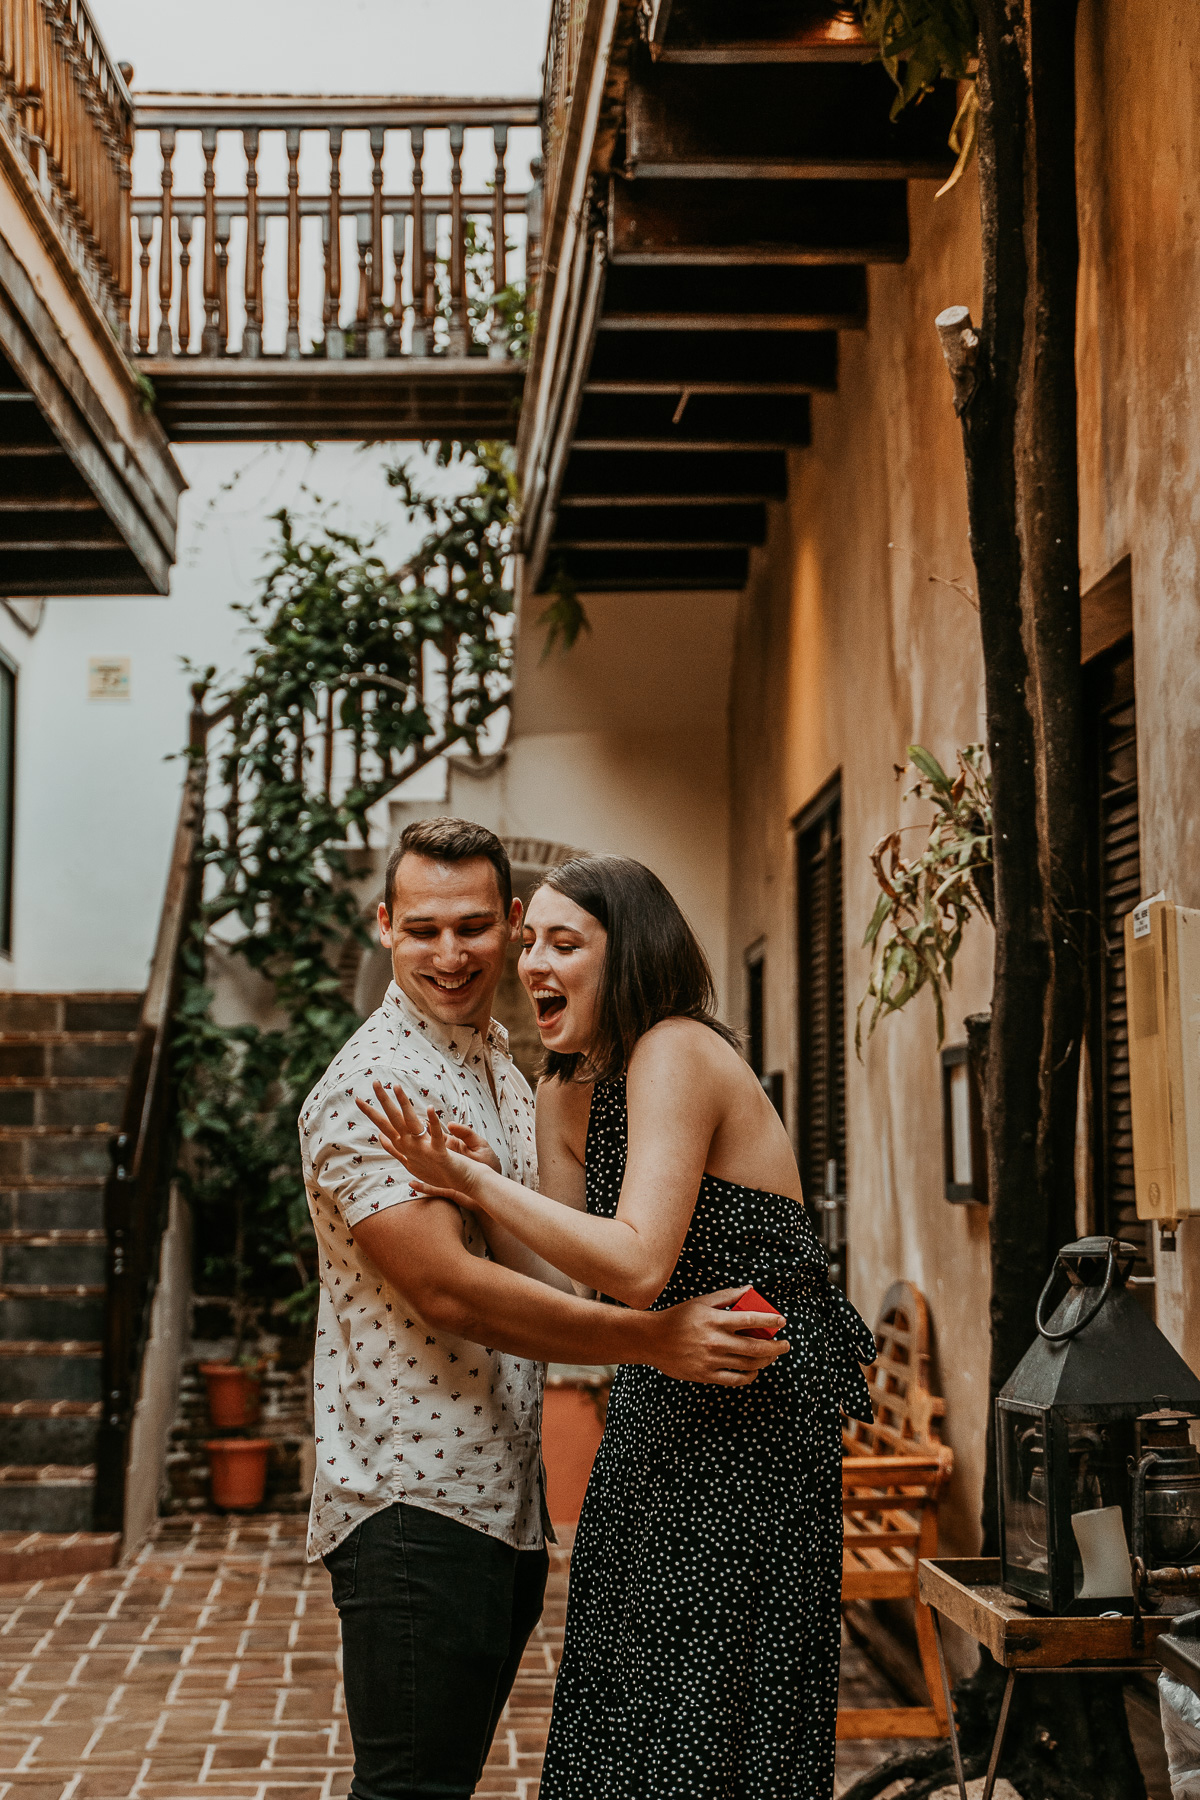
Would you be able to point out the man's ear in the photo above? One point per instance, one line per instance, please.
(516, 913)
(385, 926)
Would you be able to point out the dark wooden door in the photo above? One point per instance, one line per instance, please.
(821, 1092)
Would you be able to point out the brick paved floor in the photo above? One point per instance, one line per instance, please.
(207, 1670)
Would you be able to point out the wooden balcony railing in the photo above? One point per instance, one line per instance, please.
(66, 111)
(409, 265)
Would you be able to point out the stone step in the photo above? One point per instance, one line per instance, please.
(46, 1497)
(56, 1102)
(27, 1556)
(39, 1012)
(49, 1431)
(42, 1370)
(59, 1259)
(101, 1055)
(75, 1207)
(52, 1312)
(39, 1153)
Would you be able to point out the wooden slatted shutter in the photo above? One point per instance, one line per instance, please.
(821, 1092)
(1116, 888)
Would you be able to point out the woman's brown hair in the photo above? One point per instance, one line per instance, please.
(653, 966)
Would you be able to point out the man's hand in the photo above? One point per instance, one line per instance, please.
(701, 1340)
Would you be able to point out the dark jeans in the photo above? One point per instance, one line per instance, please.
(435, 1617)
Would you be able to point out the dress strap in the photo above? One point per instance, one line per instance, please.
(851, 1343)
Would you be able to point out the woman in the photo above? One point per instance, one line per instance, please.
(702, 1636)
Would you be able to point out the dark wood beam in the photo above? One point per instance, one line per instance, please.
(643, 570)
(782, 121)
(30, 530)
(42, 484)
(660, 362)
(780, 298)
(67, 572)
(659, 527)
(652, 477)
(733, 222)
(706, 422)
(713, 31)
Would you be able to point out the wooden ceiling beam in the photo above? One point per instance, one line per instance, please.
(712, 31)
(782, 122)
(594, 527)
(652, 477)
(645, 570)
(706, 422)
(756, 223)
(717, 362)
(780, 298)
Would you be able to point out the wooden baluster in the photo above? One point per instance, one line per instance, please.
(335, 337)
(166, 247)
(125, 217)
(376, 330)
(422, 332)
(534, 201)
(252, 333)
(399, 226)
(184, 226)
(458, 260)
(221, 234)
(291, 347)
(498, 348)
(363, 237)
(145, 227)
(211, 336)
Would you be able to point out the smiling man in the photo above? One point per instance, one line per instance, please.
(428, 1505)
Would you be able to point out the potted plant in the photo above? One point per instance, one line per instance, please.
(238, 1471)
(234, 1388)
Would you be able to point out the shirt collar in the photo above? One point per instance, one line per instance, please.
(454, 1041)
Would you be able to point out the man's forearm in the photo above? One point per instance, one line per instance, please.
(488, 1304)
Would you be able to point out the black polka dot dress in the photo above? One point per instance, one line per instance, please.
(702, 1634)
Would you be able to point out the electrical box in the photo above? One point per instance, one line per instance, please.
(1162, 996)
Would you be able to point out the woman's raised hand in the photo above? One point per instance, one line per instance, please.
(440, 1164)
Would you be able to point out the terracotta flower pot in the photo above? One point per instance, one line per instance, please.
(233, 1395)
(572, 1426)
(238, 1468)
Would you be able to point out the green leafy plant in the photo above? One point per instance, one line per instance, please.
(926, 900)
(924, 41)
(360, 676)
(564, 619)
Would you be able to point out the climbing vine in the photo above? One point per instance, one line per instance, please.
(360, 675)
(921, 42)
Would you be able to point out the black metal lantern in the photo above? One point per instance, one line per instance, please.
(1065, 1432)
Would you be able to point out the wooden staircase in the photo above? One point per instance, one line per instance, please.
(64, 1067)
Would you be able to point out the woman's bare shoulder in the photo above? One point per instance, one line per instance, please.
(683, 1048)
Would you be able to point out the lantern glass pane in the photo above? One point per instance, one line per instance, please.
(1023, 1472)
(1097, 1459)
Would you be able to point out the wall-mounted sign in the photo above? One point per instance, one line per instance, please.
(108, 678)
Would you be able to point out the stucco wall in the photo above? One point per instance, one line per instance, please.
(1139, 417)
(853, 642)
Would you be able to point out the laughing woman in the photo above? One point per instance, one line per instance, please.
(701, 1653)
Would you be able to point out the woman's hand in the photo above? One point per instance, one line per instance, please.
(469, 1143)
(432, 1158)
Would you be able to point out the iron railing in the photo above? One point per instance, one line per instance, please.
(66, 111)
(137, 1194)
(399, 268)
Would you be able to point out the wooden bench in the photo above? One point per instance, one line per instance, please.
(892, 1473)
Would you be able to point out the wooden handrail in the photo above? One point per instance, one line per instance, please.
(66, 109)
(137, 1193)
(400, 230)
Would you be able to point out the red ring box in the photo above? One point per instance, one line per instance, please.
(752, 1301)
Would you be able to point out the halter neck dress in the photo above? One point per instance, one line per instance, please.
(702, 1637)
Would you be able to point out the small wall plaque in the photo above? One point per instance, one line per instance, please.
(108, 678)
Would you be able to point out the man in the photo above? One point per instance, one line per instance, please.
(427, 1504)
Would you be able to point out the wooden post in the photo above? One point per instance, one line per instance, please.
(210, 337)
(498, 348)
(145, 227)
(335, 337)
(166, 248)
(422, 341)
(184, 225)
(223, 226)
(292, 341)
(125, 219)
(399, 227)
(252, 333)
(376, 330)
(458, 259)
(362, 228)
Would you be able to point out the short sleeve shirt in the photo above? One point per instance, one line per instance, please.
(404, 1412)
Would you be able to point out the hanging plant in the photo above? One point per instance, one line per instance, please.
(926, 900)
(921, 42)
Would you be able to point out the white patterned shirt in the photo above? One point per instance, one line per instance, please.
(404, 1412)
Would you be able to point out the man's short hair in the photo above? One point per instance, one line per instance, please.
(450, 841)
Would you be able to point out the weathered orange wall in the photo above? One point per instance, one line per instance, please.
(854, 641)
